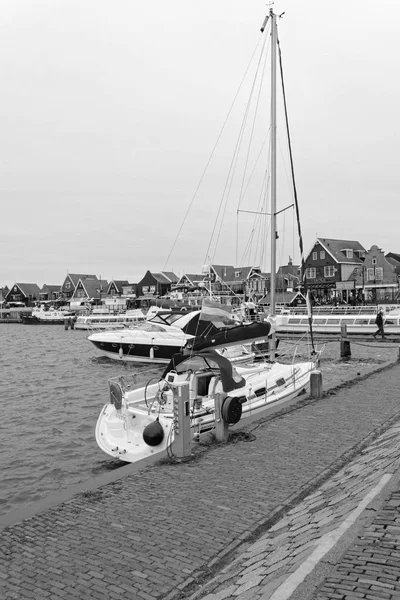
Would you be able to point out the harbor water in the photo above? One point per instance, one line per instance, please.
(53, 385)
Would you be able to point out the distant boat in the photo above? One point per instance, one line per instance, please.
(45, 315)
(358, 321)
(103, 321)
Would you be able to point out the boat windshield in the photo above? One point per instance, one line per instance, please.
(197, 363)
(150, 326)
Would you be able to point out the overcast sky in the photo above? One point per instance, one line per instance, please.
(109, 112)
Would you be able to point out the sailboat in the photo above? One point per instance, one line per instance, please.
(137, 423)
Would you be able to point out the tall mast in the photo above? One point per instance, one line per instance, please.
(273, 160)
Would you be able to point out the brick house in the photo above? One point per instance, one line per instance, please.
(330, 267)
(27, 293)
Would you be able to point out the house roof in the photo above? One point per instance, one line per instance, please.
(171, 276)
(282, 297)
(50, 288)
(192, 277)
(92, 287)
(119, 284)
(336, 247)
(28, 289)
(395, 257)
(75, 277)
(161, 278)
(289, 269)
(227, 272)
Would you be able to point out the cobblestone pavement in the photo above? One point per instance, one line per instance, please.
(275, 565)
(164, 532)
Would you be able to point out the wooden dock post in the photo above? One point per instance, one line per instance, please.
(345, 350)
(316, 389)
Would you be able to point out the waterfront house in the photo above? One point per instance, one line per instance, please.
(288, 277)
(377, 280)
(27, 293)
(116, 287)
(3, 293)
(70, 282)
(189, 282)
(235, 281)
(156, 284)
(330, 267)
(50, 292)
(91, 290)
(285, 298)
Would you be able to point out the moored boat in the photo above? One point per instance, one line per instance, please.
(125, 427)
(165, 334)
(102, 321)
(45, 315)
(357, 322)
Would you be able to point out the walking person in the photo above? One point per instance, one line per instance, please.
(379, 322)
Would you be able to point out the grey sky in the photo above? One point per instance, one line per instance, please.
(109, 111)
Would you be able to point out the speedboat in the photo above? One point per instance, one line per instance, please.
(165, 334)
(137, 423)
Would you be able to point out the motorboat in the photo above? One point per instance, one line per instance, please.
(358, 321)
(45, 315)
(137, 423)
(156, 340)
(107, 320)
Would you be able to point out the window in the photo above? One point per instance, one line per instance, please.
(374, 261)
(237, 273)
(311, 273)
(322, 254)
(152, 288)
(379, 273)
(349, 253)
(314, 255)
(145, 289)
(370, 274)
(329, 271)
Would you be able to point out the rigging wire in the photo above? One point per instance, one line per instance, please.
(232, 168)
(294, 184)
(212, 153)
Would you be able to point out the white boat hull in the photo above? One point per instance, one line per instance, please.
(361, 324)
(119, 432)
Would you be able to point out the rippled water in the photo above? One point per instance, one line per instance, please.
(53, 385)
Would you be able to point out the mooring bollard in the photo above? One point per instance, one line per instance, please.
(221, 427)
(345, 350)
(182, 444)
(316, 385)
(66, 324)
